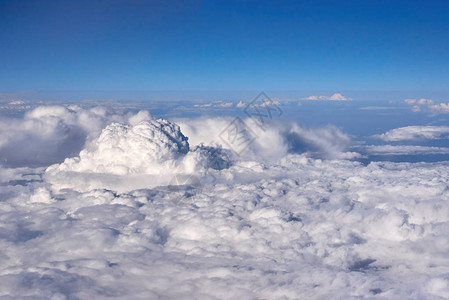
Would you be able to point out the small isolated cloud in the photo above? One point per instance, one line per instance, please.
(428, 105)
(334, 97)
(220, 104)
(223, 104)
(414, 133)
(16, 102)
(241, 104)
(203, 105)
(416, 108)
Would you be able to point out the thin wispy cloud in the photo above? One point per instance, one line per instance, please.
(405, 150)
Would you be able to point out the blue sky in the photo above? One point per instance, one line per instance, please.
(224, 45)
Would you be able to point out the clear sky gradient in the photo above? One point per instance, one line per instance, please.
(224, 45)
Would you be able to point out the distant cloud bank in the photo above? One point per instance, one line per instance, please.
(414, 133)
(405, 150)
(334, 97)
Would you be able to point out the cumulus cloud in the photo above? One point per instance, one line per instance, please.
(278, 221)
(294, 228)
(241, 104)
(414, 133)
(334, 97)
(428, 105)
(145, 148)
(139, 155)
(273, 142)
(442, 108)
(48, 134)
(146, 152)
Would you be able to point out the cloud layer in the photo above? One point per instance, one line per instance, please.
(287, 229)
(405, 150)
(278, 221)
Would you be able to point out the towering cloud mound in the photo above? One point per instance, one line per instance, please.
(142, 154)
(149, 147)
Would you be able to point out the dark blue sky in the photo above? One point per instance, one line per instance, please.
(224, 45)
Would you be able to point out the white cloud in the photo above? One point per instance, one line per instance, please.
(274, 142)
(276, 223)
(334, 97)
(147, 147)
(428, 105)
(410, 101)
(150, 153)
(416, 108)
(442, 108)
(224, 104)
(16, 102)
(424, 102)
(241, 104)
(203, 105)
(329, 142)
(221, 104)
(266, 230)
(405, 150)
(375, 108)
(48, 134)
(413, 133)
(124, 157)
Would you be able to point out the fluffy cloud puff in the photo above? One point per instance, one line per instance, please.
(273, 224)
(153, 152)
(428, 105)
(272, 142)
(148, 147)
(413, 133)
(295, 228)
(48, 134)
(144, 153)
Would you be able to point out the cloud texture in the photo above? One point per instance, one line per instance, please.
(278, 221)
